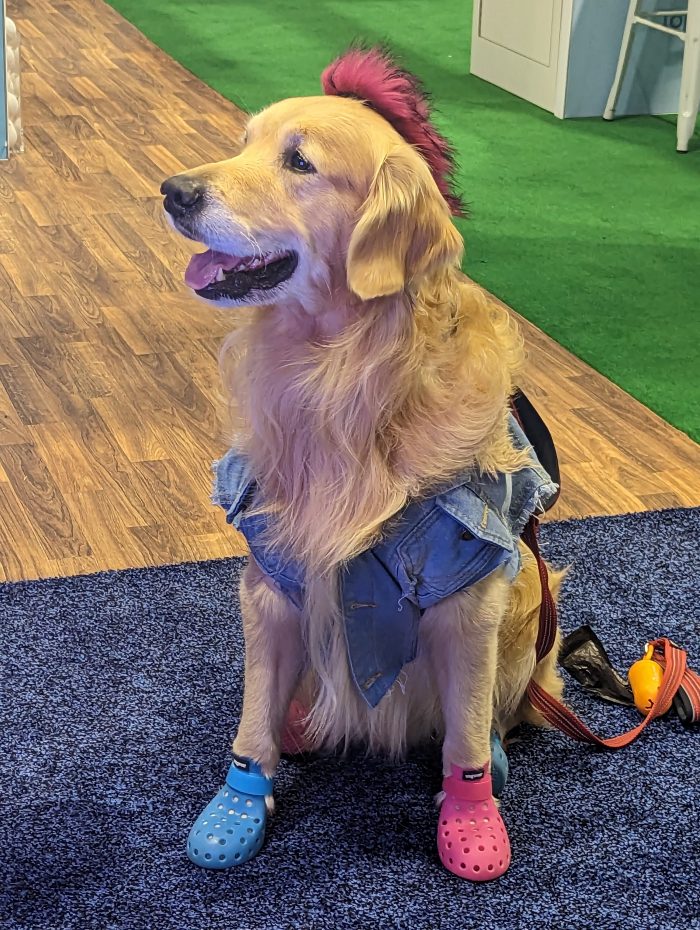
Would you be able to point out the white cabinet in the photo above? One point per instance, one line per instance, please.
(516, 44)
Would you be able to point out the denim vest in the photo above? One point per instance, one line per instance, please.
(431, 549)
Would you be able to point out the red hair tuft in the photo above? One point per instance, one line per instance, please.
(372, 76)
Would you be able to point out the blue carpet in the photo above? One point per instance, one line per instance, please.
(120, 692)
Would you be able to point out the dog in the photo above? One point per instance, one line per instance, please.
(376, 469)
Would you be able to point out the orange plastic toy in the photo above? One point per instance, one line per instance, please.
(645, 680)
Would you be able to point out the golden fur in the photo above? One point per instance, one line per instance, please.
(375, 372)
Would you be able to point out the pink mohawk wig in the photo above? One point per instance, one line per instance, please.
(372, 76)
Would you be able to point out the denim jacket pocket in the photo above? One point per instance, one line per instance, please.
(447, 551)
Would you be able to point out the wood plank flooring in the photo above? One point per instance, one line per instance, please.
(109, 392)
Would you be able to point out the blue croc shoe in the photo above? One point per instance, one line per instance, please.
(231, 828)
(499, 765)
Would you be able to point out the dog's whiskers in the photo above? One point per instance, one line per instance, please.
(257, 251)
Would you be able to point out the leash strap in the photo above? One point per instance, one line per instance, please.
(678, 680)
(687, 699)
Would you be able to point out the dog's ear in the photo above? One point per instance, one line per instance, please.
(404, 231)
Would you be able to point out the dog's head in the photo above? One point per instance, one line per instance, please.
(348, 190)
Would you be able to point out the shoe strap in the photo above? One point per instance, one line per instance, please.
(246, 776)
(469, 784)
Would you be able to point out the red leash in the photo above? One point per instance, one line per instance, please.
(677, 677)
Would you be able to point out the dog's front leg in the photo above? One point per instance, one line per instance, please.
(462, 639)
(274, 660)
(231, 828)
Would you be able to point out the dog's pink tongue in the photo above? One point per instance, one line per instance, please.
(203, 268)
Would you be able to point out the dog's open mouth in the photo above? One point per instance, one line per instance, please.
(218, 276)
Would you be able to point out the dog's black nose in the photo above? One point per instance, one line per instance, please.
(183, 194)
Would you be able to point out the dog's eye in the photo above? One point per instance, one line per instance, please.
(297, 162)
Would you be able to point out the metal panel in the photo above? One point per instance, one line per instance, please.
(3, 84)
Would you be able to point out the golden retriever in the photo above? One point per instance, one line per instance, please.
(364, 371)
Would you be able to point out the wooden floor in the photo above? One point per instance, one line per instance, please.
(109, 392)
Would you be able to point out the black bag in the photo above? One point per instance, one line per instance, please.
(539, 437)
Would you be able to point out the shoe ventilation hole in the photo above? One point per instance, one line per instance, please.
(472, 821)
(482, 848)
(500, 861)
(220, 807)
(459, 820)
(232, 811)
(444, 823)
(446, 833)
(495, 848)
(230, 832)
(207, 855)
(222, 842)
(466, 850)
(490, 868)
(222, 857)
(249, 830)
(243, 841)
(244, 816)
(210, 836)
(237, 856)
(235, 799)
(477, 868)
(225, 794)
(486, 819)
(451, 861)
(256, 820)
(462, 865)
(248, 803)
(486, 807)
(449, 845)
(196, 852)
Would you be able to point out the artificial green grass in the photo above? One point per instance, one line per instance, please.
(589, 229)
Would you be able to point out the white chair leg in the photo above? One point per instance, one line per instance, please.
(690, 79)
(609, 112)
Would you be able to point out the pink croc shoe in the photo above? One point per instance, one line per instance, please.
(294, 739)
(472, 839)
